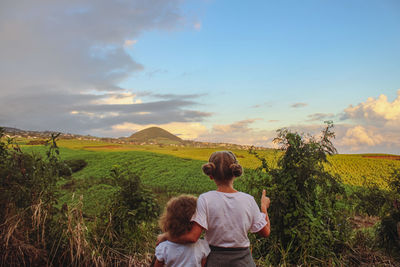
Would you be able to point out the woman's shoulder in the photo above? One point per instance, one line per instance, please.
(208, 194)
(244, 195)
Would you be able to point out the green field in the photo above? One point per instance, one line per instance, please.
(169, 170)
(178, 168)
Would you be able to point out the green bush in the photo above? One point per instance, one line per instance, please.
(370, 200)
(25, 178)
(27, 198)
(389, 228)
(133, 203)
(306, 223)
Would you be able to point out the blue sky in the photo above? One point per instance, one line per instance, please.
(226, 71)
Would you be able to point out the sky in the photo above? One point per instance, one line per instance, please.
(205, 70)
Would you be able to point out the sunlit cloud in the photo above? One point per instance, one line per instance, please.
(237, 127)
(239, 132)
(358, 136)
(118, 99)
(376, 110)
(371, 126)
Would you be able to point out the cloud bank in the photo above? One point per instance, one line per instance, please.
(375, 125)
(368, 127)
(62, 61)
(239, 132)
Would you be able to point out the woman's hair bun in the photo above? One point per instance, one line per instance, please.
(209, 168)
(237, 170)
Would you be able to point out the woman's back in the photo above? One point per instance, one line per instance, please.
(227, 218)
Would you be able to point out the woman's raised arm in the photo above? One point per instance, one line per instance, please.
(265, 202)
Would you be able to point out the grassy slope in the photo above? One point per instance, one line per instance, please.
(161, 172)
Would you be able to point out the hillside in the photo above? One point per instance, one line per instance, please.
(155, 135)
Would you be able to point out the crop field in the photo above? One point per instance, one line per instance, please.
(178, 168)
(362, 169)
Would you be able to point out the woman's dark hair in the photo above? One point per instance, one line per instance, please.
(176, 219)
(223, 166)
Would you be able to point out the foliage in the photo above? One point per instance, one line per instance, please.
(33, 232)
(369, 199)
(25, 178)
(28, 193)
(305, 220)
(76, 164)
(133, 203)
(389, 228)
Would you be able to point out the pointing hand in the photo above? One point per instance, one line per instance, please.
(265, 201)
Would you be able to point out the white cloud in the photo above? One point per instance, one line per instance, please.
(359, 136)
(373, 126)
(376, 111)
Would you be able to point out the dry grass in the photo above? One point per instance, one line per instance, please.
(361, 256)
(16, 248)
(91, 250)
(23, 241)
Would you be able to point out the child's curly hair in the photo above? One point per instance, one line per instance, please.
(223, 166)
(177, 215)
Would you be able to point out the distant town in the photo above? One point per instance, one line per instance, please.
(40, 137)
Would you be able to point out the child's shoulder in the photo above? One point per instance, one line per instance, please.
(168, 246)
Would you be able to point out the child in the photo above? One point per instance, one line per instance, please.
(226, 215)
(176, 221)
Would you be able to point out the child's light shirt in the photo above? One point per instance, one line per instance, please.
(182, 255)
(227, 218)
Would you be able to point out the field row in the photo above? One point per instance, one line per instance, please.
(175, 168)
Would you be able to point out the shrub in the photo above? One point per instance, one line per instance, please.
(133, 203)
(28, 193)
(369, 199)
(389, 228)
(306, 224)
